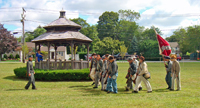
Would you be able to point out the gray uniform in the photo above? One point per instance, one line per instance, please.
(104, 69)
(31, 78)
(98, 70)
(132, 71)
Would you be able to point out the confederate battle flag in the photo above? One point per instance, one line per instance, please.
(164, 47)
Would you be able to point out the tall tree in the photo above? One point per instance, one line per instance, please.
(129, 15)
(150, 33)
(123, 51)
(107, 24)
(7, 41)
(107, 45)
(134, 46)
(32, 35)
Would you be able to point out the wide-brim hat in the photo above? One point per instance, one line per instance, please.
(134, 57)
(167, 57)
(94, 54)
(130, 58)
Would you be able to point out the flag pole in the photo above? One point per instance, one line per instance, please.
(159, 46)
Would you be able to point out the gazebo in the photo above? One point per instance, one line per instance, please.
(62, 32)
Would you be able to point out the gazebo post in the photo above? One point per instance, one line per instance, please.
(88, 54)
(55, 47)
(39, 47)
(48, 44)
(35, 54)
(72, 53)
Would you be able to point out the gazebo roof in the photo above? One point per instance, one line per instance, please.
(62, 21)
(64, 35)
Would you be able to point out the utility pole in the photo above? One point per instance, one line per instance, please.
(23, 37)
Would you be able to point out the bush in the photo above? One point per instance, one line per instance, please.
(17, 56)
(5, 56)
(55, 75)
(82, 55)
(11, 56)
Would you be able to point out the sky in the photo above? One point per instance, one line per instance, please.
(168, 15)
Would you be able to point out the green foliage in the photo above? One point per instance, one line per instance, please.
(55, 75)
(45, 54)
(107, 24)
(150, 33)
(129, 15)
(107, 45)
(149, 48)
(17, 56)
(11, 56)
(25, 49)
(5, 56)
(188, 54)
(134, 46)
(82, 55)
(123, 50)
(32, 35)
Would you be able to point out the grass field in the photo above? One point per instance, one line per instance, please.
(81, 94)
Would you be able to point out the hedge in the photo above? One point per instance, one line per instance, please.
(82, 55)
(55, 75)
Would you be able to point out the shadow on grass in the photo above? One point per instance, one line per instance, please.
(90, 91)
(15, 78)
(14, 89)
(161, 90)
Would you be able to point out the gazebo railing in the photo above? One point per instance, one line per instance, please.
(61, 65)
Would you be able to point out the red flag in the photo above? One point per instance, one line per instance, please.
(164, 46)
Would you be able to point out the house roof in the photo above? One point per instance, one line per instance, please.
(173, 44)
(62, 35)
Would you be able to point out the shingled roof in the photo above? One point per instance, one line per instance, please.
(67, 35)
(54, 31)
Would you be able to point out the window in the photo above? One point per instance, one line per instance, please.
(61, 53)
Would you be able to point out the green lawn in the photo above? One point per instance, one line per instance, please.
(81, 94)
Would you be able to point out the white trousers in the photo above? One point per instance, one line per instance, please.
(138, 83)
(92, 74)
(178, 81)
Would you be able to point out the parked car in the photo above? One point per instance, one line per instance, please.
(119, 57)
(90, 57)
(179, 58)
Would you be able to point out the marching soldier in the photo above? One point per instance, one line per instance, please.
(99, 65)
(103, 73)
(112, 78)
(130, 74)
(175, 73)
(168, 67)
(93, 68)
(30, 74)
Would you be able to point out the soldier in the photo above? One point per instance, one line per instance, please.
(168, 67)
(142, 69)
(112, 78)
(99, 65)
(175, 73)
(131, 72)
(104, 72)
(30, 74)
(93, 68)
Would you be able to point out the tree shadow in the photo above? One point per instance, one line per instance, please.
(15, 78)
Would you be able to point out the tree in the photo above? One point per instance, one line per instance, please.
(107, 24)
(150, 33)
(25, 49)
(134, 46)
(107, 45)
(129, 15)
(123, 50)
(149, 48)
(32, 35)
(8, 42)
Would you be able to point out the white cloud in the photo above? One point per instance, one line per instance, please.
(165, 14)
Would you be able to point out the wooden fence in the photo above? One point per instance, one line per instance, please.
(61, 65)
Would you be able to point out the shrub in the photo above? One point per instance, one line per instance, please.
(5, 56)
(55, 75)
(17, 56)
(82, 55)
(11, 56)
